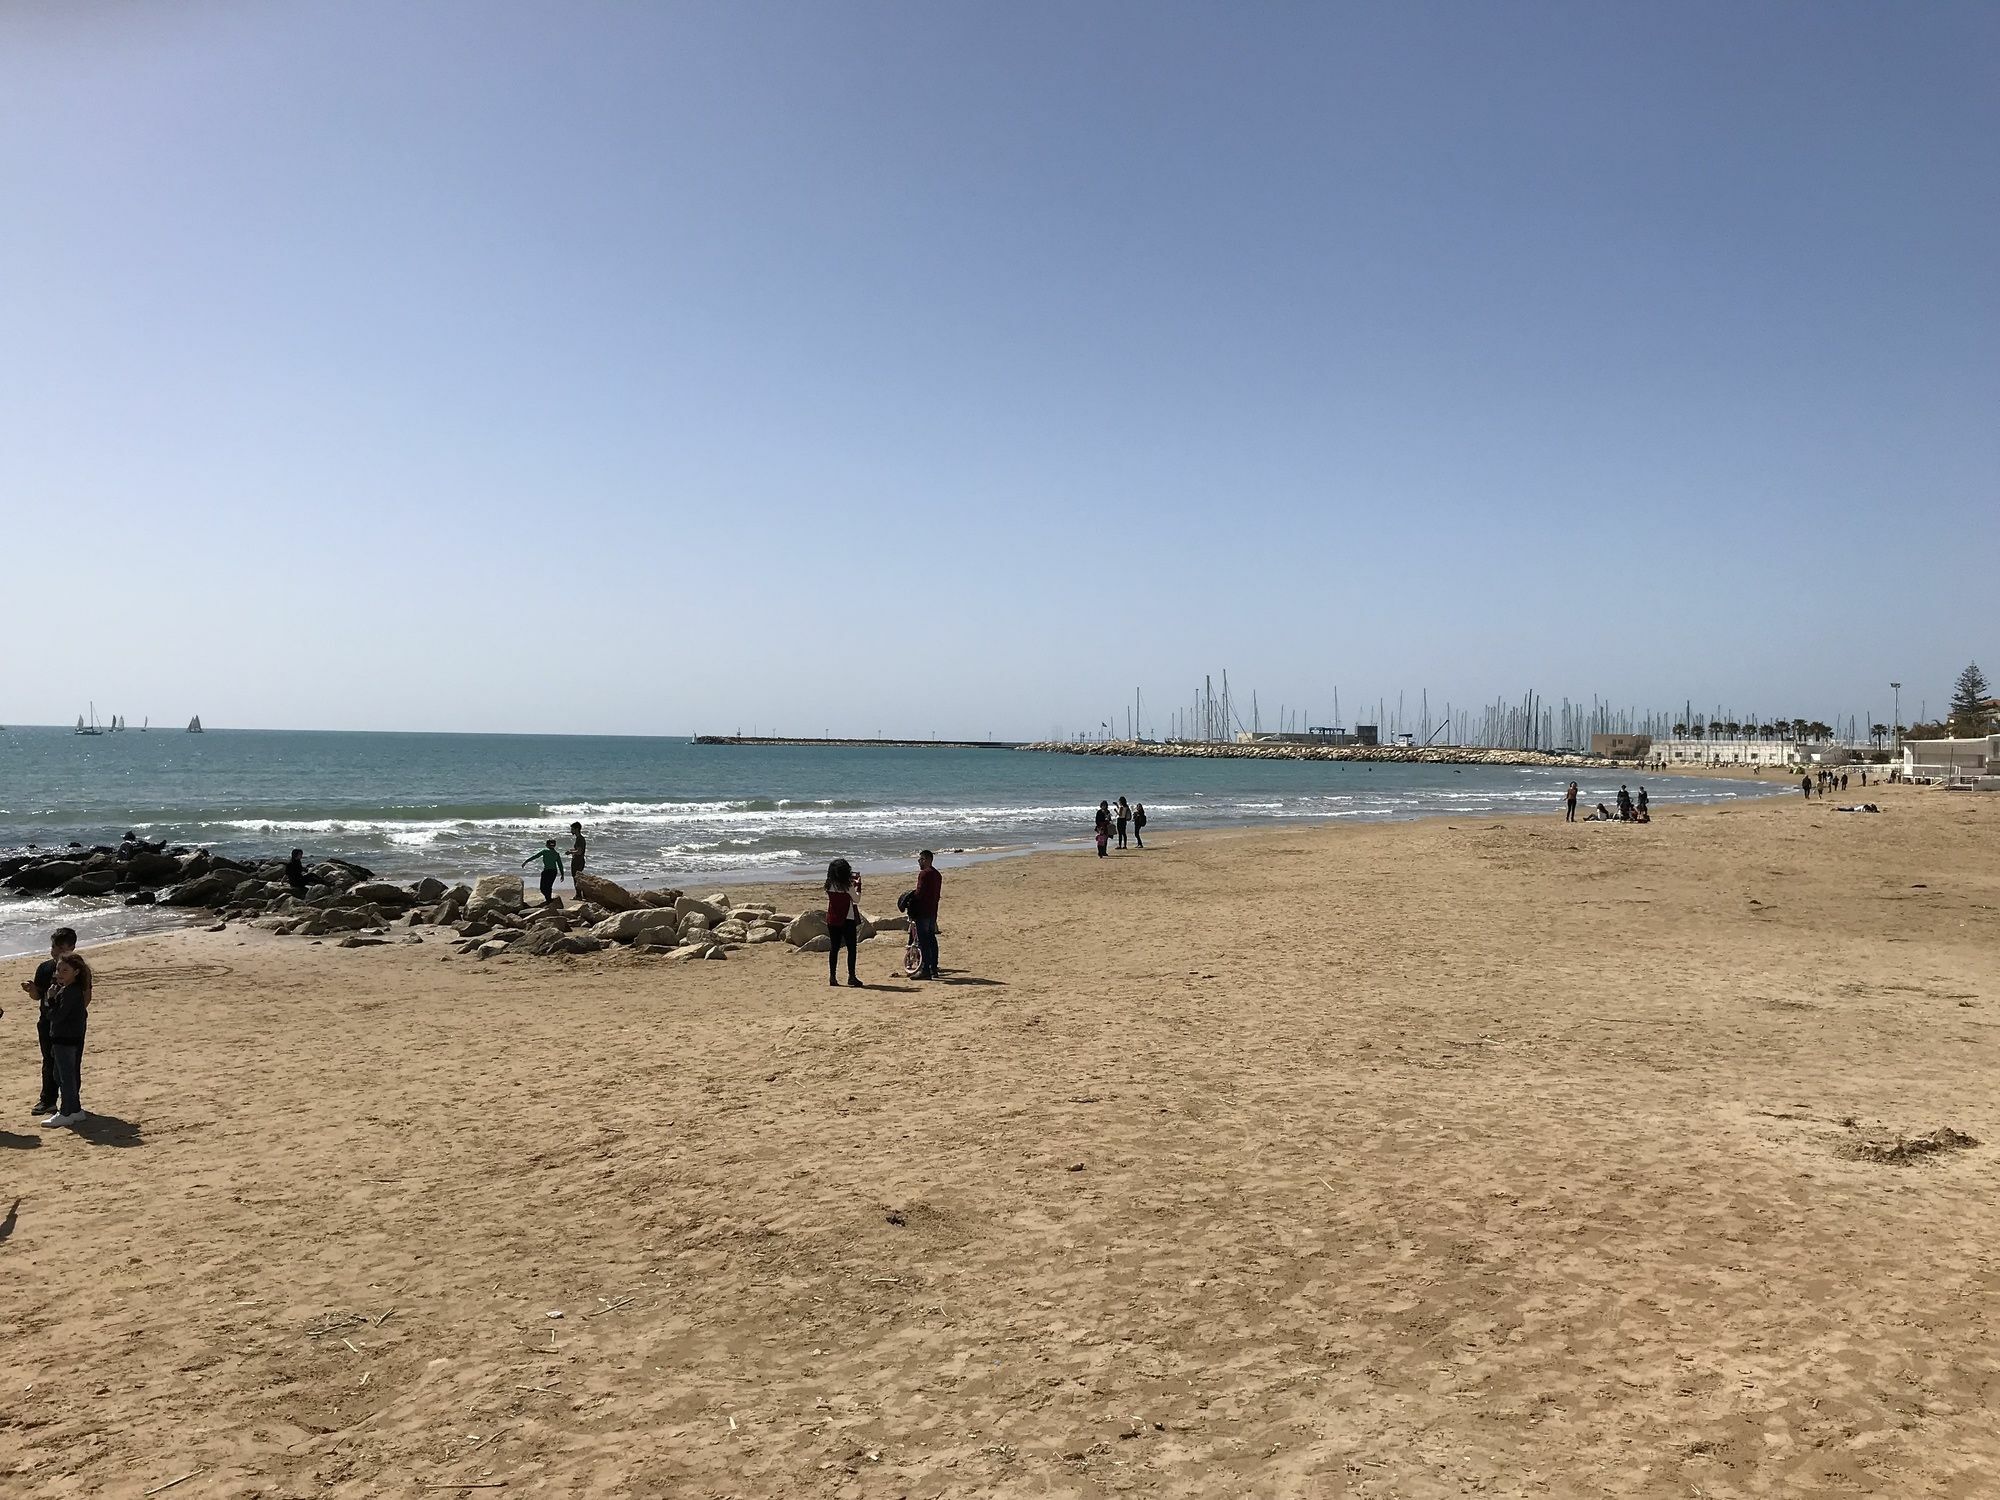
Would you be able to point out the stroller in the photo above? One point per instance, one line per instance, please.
(913, 955)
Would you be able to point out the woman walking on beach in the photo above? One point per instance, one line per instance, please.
(69, 1014)
(843, 920)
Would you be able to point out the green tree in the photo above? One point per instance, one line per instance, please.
(1970, 694)
(1878, 733)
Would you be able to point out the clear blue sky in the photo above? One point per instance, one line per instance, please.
(940, 367)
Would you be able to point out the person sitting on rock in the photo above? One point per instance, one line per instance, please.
(552, 867)
(295, 872)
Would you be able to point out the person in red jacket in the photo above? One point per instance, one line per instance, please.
(924, 910)
(843, 919)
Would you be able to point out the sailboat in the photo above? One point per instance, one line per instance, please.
(92, 727)
(145, 724)
(194, 725)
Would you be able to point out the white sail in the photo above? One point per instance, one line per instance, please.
(79, 723)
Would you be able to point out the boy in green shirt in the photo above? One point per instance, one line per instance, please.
(552, 867)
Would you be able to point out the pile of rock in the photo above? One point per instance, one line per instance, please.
(490, 917)
(149, 873)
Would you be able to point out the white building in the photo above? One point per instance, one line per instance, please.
(1974, 763)
(1727, 752)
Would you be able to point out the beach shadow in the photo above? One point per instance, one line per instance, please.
(7, 1224)
(973, 979)
(12, 1142)
(108, 1130)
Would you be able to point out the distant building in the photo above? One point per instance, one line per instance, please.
(1621, 746)
(1728, 752)
(1972, 762)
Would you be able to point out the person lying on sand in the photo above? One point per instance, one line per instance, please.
(1602, 815)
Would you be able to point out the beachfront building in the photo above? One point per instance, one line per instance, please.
(1973, 763)
(1729, 752)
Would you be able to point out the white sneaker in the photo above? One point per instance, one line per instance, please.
(62, 1121)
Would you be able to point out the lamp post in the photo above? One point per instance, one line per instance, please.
(1896, 714)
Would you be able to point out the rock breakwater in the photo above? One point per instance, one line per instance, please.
(1421, 755)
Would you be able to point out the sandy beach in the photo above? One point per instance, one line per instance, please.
(1470, 1156)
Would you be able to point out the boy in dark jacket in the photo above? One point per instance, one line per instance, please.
(61, 941)
(68, 1007)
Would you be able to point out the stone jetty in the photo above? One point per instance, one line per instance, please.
(1419, 755)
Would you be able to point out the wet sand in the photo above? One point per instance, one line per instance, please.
(1466, 1156)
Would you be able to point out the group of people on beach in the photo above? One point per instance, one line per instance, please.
(1126, 815)
(919, 905)
(1825, 780)
(1631, 809)
(552, 860)
(61, 992)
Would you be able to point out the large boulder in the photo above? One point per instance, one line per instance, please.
(48, 875)
(659, 898)
(380, 893)
(204, 890)
(731, 931)
(713, 911)
(195, 865)
(430, 890)
(608, 894)
(498, 890)
(635, 926)
(806, 926)
(152, 869)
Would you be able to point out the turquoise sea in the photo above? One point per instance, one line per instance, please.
(667, 811)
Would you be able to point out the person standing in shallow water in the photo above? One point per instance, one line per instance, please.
(552, 867)
(843, 920)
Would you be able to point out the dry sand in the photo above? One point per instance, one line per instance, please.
(1488, 1157)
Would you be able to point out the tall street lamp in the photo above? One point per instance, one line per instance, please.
(1897, 714)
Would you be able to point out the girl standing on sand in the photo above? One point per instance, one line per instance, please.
(69, 1012)
(1103, 827)
(843, 920)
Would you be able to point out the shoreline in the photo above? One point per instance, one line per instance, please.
(751, 878)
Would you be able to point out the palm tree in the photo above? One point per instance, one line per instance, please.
(1820, 730)
(1799, 728)
(1767, 731)
(1695, 731)
(1732, 728)
(1680, 731)
(1878, 733)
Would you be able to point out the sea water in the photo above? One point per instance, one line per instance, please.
(670, 812)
